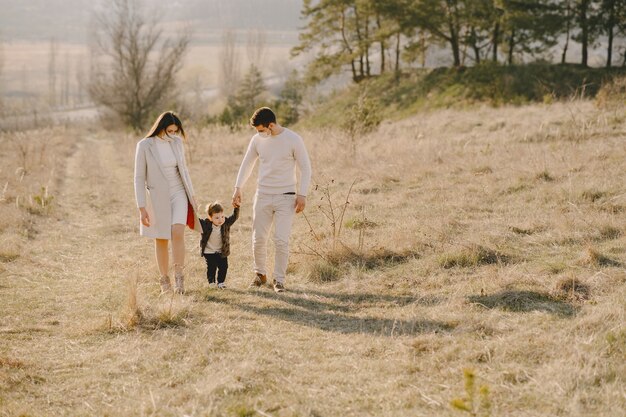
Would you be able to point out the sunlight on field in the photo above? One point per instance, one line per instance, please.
(487, 240)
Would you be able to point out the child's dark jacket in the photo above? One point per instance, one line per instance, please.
(207, 228)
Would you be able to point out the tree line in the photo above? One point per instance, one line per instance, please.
(370, 37)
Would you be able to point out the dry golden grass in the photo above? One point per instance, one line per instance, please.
(85, 331)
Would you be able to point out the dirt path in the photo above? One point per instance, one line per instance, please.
(63, 283)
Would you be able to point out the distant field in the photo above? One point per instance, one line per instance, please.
(490, 241)
(25, 73)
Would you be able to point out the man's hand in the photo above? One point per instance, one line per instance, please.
(144, 217)
(300, 203)
(237, 198)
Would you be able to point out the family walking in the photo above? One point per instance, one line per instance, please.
(166, 200)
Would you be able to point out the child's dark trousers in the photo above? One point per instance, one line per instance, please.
(215, 262)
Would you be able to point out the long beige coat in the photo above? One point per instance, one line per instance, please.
(152, 189)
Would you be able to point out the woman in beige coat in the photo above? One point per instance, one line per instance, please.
(165, 196)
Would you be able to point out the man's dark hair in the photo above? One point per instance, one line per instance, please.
(262, 117)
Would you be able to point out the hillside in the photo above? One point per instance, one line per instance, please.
(396, 97)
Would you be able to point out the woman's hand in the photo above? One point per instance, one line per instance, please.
(237, 198)
(144, 217)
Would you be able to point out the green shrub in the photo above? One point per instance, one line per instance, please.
(476, 401)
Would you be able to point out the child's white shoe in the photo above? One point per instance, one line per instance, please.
(212, 285)
(221, 286)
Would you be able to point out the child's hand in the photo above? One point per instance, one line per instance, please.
(237, 198)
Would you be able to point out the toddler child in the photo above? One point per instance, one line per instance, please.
(215, 242)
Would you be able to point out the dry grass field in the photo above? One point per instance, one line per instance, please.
(480, 261)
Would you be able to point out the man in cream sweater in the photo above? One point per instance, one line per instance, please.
(278, 196)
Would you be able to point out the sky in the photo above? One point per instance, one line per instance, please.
(69, 20)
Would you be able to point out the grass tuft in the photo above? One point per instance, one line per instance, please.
(472, 256)
(8, 256)
(134, 315)
(523, 230)
(571, 289)
(594, 258)
(556, 267)
(360, 224)
(617, 343)
(608, 232)
(544, 176)
(519, 187)
(243, 411)
(593, 195)
(322, 271)
(484, 170)
(377, 258)
(11, 363)
(331, 267)
(524, 302)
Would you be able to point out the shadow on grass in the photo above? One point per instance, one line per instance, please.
(314, 309)
(524, 302)
(367, 299)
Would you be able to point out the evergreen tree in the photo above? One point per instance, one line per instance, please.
(241, 105)
(529, 27)
(290, 99)
(398, 22)
(612, 18)
(586, 18)
(444, 19)
(329, 32)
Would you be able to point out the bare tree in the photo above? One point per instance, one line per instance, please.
(1, 71)
(52, 73)
(256, 47)
(65, 82)
(80, 81)
(24, 82)
(140, 67)
(230, 71)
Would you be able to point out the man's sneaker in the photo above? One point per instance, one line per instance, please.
(259, 280)
(212, 285)
(278, 286)
(221, 286)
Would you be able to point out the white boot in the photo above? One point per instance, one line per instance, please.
(165, 284)
(179, 285)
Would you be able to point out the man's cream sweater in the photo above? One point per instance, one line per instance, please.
(278, 156)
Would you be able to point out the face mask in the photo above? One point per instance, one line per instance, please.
(265, 134)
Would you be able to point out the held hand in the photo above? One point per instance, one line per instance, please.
(237, 198)
(144, 217)
(300, 203)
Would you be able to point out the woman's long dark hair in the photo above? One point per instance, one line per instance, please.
(163, 121)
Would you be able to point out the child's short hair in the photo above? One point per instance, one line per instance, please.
(213, 208)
